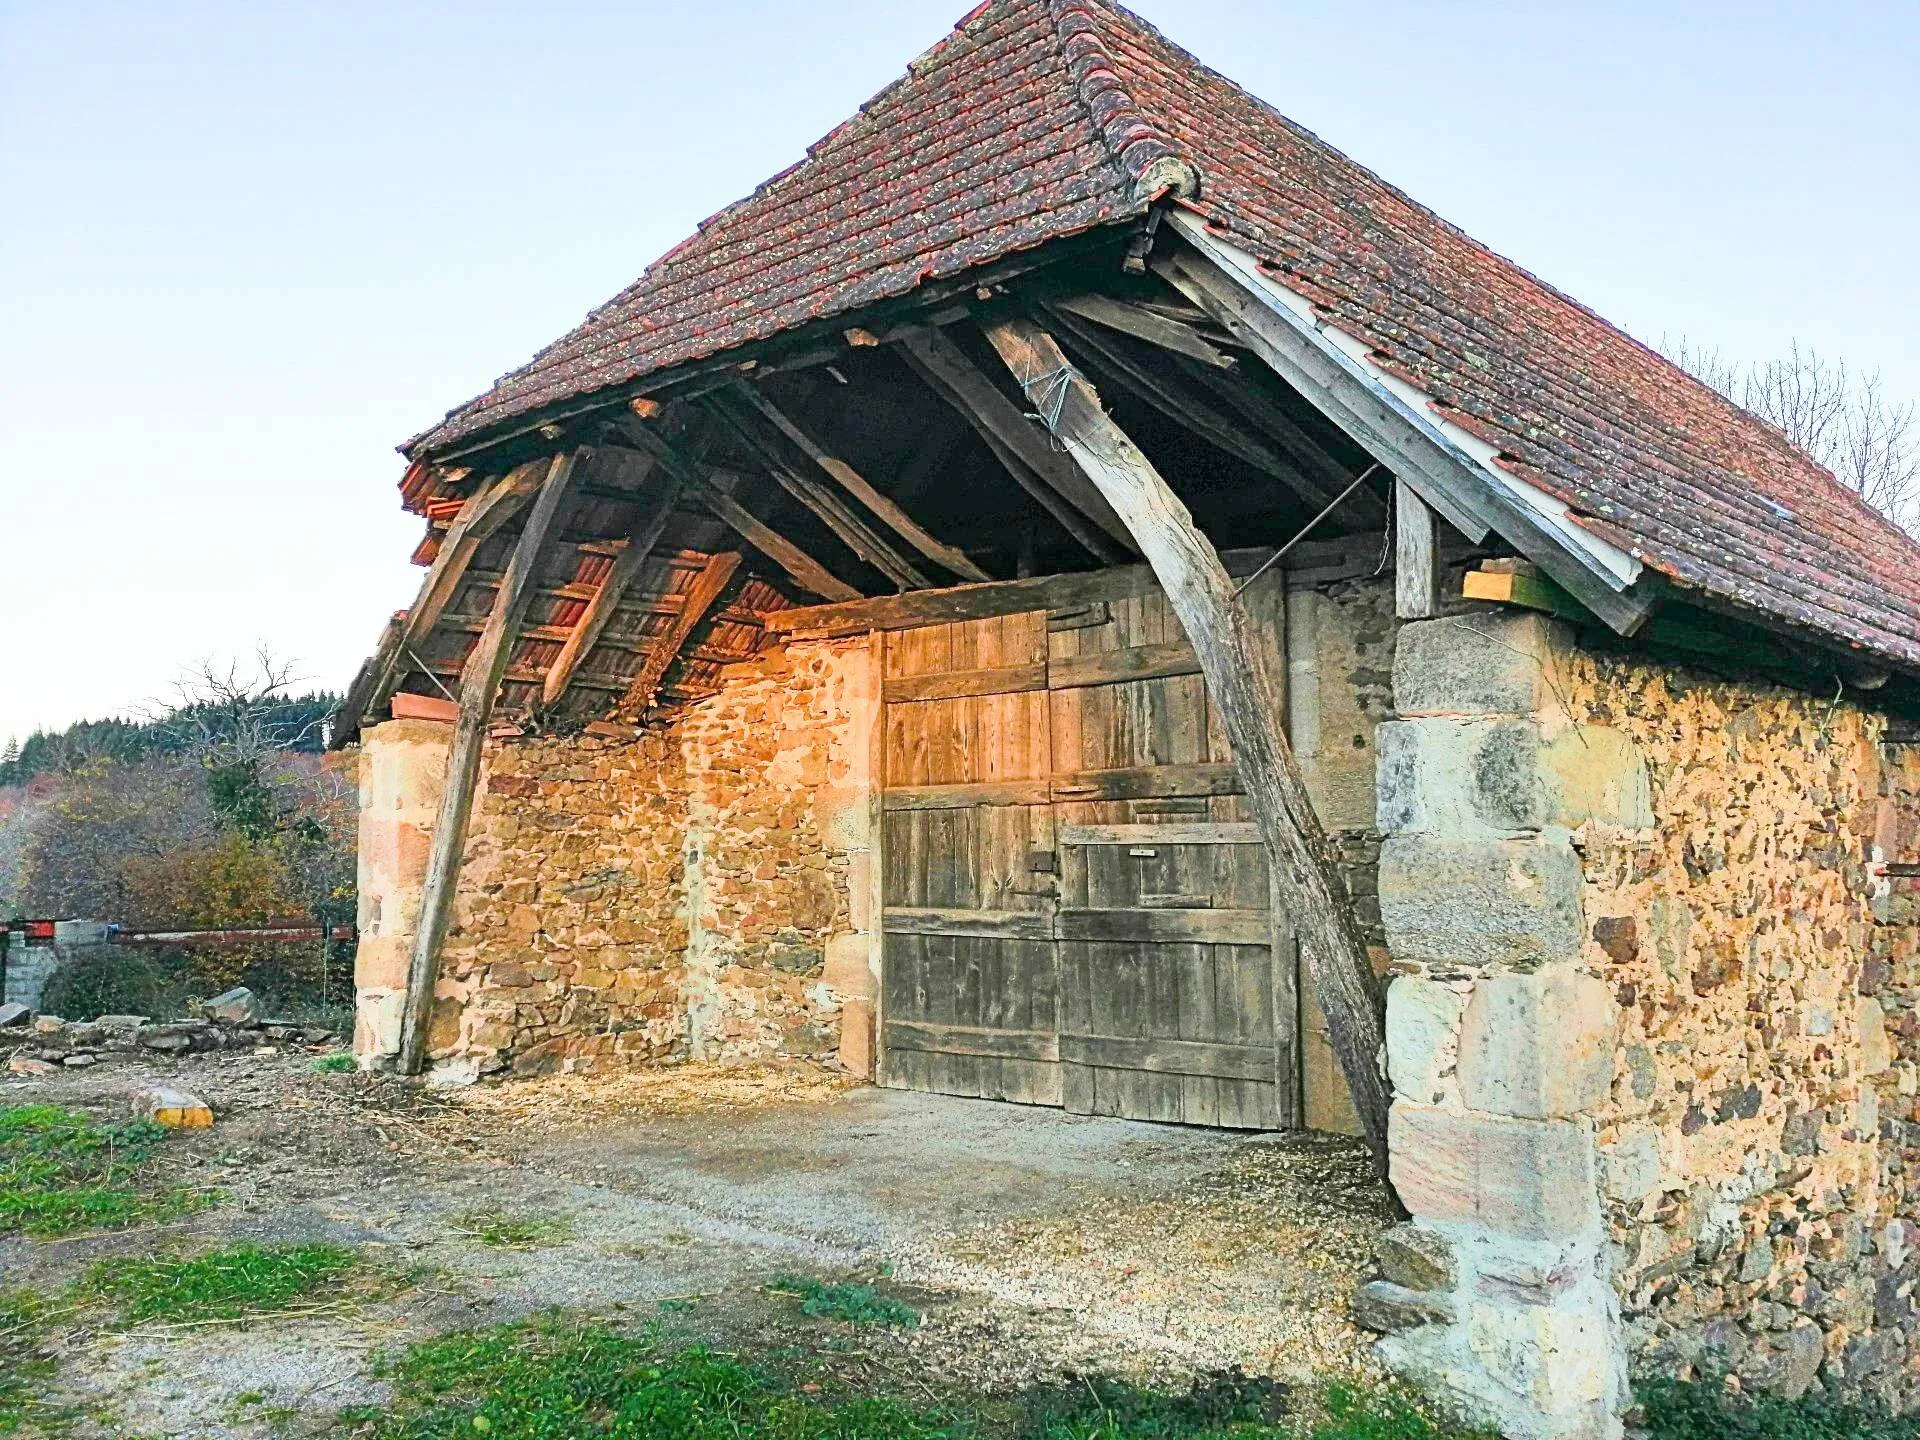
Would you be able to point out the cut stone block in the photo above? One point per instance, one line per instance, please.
(1460, 778)
(176, 1109)
(1386, 1308)
(1485, 664)
(1481, 902)
(1416, 1258)
(1423, 1036)
(1593, 772)
(1538, 1045)
(30, 1065)
(1528, 1179)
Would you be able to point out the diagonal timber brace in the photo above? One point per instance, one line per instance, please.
(1203, 596)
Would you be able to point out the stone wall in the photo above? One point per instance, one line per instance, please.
(1653, 1030)
(699, 890)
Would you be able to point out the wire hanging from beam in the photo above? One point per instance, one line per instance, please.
(1306, 530)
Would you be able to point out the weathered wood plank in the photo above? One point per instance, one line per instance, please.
(924, 1036)
(1113, 667)
(1416, 577)
(593, 621)
(478, 686)
(1146, 782)
(1167, 926)
(855, 484)
(701, 596)
(1203, 595)
(967, 796)
(956, 684)
(1148, 325)
(1159, 1056)
(988, 924)
(1218, 832)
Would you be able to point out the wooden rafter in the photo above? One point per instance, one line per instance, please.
(805, 571)
(706, 589)
(850, 480)
(1317, 464)
(1152, 326)
(1204, 596)
(593, 621)
(1180, 404)
(953, 376)
(491, 506)
(826, 507)
(479, 683)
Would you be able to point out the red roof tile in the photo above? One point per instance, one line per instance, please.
(1038, 119)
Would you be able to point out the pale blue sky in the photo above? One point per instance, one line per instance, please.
(245, 249)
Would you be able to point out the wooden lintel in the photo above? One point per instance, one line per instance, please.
(593, 621)
(701, 597)
(850, 480)
(1203, 595)
(953, 376)
(479, 685)
(805, 571)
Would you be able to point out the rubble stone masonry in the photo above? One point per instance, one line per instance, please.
(1653, 1032)
(699, 890)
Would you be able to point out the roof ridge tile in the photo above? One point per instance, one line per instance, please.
(1145, 151)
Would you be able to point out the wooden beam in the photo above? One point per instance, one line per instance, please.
(955, 378)
(600, 610)
(1294, 440)
(701, 596)
(1148, 325)
(344, 724)
(1203, 595)
(856, 485)
(805, 571)
(826, 507)
(1187, 410)
(1416, 569)
(491, 506)
(478, 685)
(1408, 443)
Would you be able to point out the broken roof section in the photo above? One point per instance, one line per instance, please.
(1040, 119)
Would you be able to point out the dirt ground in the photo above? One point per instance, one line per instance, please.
(1038, 1245)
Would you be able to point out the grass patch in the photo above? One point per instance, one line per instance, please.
(856, 1304)
(1704, 1410)
(24, 1370)
(61, 1171)
(556, 1378)
(245, 1282)
(338, 1064)
(505, 1231)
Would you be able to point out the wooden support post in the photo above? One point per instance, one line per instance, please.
(1416, 570)
(644, 535)
(856, 485)
(701, 595)
(478, 683)
(805, 571)
(954, 377)
(1203, 596)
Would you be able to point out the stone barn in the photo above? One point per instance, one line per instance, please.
(1078, 594)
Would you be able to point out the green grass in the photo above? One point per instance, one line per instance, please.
(1703, 1410)
(24, 1371)
(857, 1304)
(242, 1282)
(506, 1231)
(556, 1378)
(62, 1172)
(337, 1064)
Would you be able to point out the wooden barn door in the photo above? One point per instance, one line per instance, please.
(1078, 909)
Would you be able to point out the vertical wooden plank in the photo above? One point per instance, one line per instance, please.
(1416, 569)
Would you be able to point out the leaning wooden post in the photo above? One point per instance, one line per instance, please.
(479, 682)
(1203, 596)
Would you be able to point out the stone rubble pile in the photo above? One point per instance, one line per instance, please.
(42, 1044)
